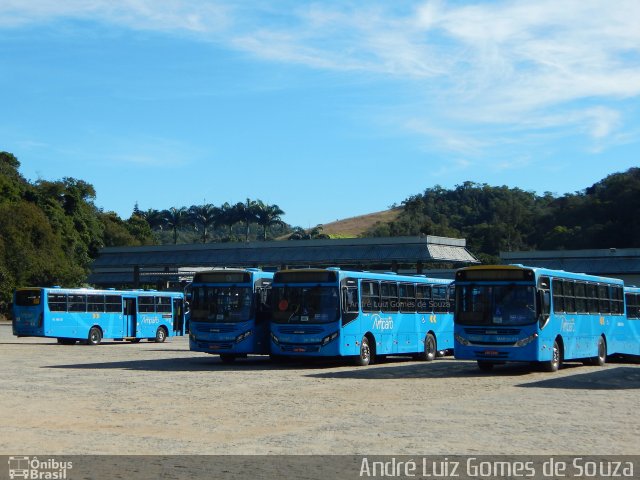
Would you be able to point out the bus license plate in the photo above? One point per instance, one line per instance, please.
(490, 353)
(299, 349)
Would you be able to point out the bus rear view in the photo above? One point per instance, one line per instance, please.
(28, 316)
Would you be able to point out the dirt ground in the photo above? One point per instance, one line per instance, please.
(146, 398)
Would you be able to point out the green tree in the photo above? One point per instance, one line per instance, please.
(247, 213)
(204, 218)
(175, 219)
(116, 232)
(33, 253)
(267, 216)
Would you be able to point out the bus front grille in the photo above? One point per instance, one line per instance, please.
(300, 348)
(491, 355)
(492, 331)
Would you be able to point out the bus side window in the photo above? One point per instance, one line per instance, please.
(558, 299)
(370, 296)
(57, 302)
(440, 299)
(389, 297)
(423, 299)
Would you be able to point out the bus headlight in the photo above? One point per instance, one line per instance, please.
(243, 336)
(275, 339)
(329, 338)
(526, 341)
(462, 340)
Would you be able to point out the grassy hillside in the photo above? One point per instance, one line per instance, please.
(356, 226)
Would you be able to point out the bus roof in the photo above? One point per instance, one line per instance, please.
(85, 290)
(335, 274)
(537, 272)
(230, 275)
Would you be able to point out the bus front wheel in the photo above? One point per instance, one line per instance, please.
(365, 358)
(95, 336)
(554, 364)
(161, 335)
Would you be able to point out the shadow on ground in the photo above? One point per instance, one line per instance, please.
(618, 378)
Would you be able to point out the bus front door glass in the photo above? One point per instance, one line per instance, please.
(178, 316)
(130, 317)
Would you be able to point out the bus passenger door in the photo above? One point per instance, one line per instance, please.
(178, 316)
(130, 317)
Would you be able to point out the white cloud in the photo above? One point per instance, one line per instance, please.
(528, 65)
(168, 15)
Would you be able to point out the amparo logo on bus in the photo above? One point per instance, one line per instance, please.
(380, 323)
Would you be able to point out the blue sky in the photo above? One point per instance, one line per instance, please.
(329, 109)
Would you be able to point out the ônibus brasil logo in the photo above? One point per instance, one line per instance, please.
(33, 468)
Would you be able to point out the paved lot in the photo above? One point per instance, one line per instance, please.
(152, 398)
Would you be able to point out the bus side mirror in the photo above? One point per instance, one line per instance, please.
(345, 300)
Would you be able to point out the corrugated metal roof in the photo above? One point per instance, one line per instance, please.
(360, 251)
(601, 262)
(411, 250)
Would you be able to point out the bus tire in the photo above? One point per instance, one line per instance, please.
(430, 349)
(365, 357)
(553, 365)
(485, 366)
(161, 335)
(95, 336)
(601, 358)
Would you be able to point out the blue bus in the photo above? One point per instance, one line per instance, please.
(230, 312)
(632, 336)
(83, 314)
(513, 313)
(331, 313)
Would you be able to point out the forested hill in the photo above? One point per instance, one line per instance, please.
(50, 231)
(495, 219)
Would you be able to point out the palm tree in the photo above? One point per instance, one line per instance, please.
(203, 216)
(268, 215)
(155, 219)
(247, 213)
(227, 216)
(175, 218)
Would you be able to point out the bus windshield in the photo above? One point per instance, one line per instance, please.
(221, 304)
(495, 304)
(306, 304)
(28, 298)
